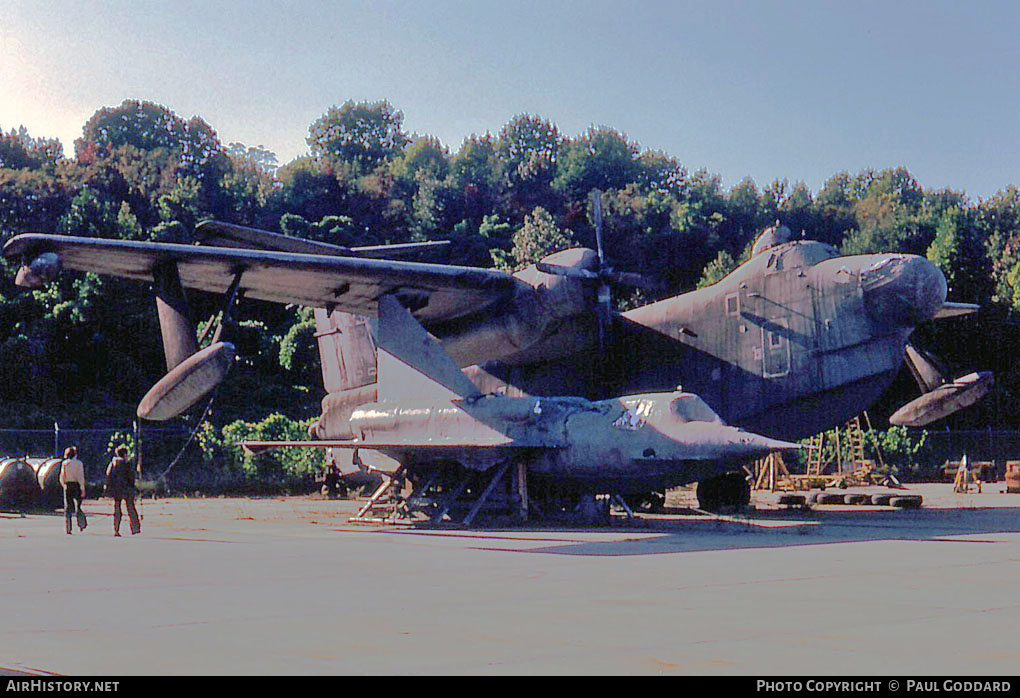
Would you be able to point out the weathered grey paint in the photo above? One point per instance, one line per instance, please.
(796, 339)
(793, 341)
(628, 443)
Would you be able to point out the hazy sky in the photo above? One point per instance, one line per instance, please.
(766, 89)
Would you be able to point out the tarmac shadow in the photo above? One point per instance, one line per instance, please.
(970, 525)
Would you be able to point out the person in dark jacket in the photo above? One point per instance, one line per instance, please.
(120, 484)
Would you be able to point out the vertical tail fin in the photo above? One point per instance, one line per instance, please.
(346, 350)
(411, 363)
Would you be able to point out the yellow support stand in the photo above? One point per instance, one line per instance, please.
(861, 473)
(773, 474)
(966, 477)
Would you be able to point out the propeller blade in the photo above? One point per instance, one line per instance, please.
(621, 278)
(604, 312)
(596, 213)
(626, 278)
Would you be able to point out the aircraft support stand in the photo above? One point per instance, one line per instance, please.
(623, 505)
(522, 488)
(485, 495)
(452, 497)
(389, 481)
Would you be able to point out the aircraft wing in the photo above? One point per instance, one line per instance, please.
(434, 292)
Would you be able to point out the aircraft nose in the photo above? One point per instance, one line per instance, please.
(903, 289)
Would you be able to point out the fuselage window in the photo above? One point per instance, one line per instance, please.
(732, 304)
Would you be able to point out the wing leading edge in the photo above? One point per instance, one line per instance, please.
(435, 292)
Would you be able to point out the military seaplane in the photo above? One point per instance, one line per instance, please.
(795, 340)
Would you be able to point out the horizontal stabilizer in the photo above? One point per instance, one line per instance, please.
(252, 447)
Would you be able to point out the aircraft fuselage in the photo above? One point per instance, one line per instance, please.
(795, 340)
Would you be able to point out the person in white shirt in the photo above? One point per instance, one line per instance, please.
(72, 479)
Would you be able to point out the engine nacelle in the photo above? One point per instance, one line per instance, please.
(944, 400)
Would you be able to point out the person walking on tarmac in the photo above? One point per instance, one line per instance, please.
(72, 479)
(120, 484)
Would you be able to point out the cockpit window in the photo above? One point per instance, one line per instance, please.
(769, 238)
(884, 262)
(806, 254)
(691, 408)
(635, 416)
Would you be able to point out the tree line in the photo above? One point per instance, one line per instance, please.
(85, 349)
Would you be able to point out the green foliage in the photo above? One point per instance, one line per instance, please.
(902, 449)
(210, 444)
(272, 463)
(890, 214)
(425, 155)
(719, 267)
(600, 159)
(72, 301)
(148, 126)
(181, 204)
(525, 142)
(476, 164)
(361, 133)
(256, 156)
(298, 349)
(91, 214)
(538, 237)
(144, 125)
(658, 173)
(120, 438)
(30, 199)
(528, 148)
(998, 222)
(492, 228)
(142, 172)
(958, 250)
(18, 150)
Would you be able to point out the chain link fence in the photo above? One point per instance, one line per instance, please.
(939, 447)
(992, 445)
(159, 445)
